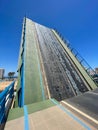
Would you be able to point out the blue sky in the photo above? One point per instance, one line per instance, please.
(76, 20)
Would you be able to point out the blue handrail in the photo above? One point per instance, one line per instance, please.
(5, 97)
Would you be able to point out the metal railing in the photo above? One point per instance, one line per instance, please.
(6, 97)
(82, 61)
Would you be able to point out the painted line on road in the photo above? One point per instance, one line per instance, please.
(71, 115)
(26, 121)
(93, 93)
(82, 113)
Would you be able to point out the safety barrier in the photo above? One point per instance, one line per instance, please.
(5, 99)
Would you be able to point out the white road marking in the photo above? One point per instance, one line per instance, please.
(82, 113)
(93, 93)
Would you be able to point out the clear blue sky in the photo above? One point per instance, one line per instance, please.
(77, 20)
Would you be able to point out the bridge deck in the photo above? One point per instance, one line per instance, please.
(52, 117)
(86, 103)
(64, 79)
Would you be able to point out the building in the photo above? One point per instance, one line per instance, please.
(96, 70)
(2, 73)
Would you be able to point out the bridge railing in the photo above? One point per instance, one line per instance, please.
(82, 61)
(5, 100)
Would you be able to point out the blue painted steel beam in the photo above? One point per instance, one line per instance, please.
(22, 70)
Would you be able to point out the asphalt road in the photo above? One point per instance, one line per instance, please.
(63, 79)
(88, 103)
